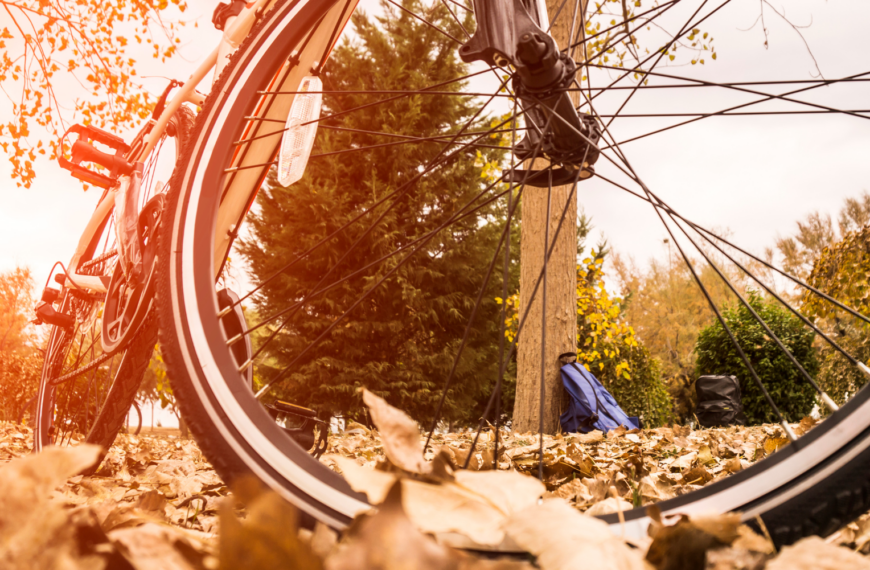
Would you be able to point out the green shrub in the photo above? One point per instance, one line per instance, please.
(716, 354)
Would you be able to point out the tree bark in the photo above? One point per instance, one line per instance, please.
(561, 309)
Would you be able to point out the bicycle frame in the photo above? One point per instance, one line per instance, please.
(236, 31)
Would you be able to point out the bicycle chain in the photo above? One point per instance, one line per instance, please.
(79, 371)
(108, 255)
(95, 363)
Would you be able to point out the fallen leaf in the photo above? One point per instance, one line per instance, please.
(587, 438)
(267, 539)
(654, 489)
(608, 506)
(388, 541)
(448, 507)
(748, 539)
(323, 540)
(734, 559)
(401, 439)
(354, 428)
(574, 490)
(684, 544)
(724, 527)
(508, 490)
(160, 547)
(771, 444)
(705, 456)
(697, 476)
(733, 465)
(35, 531)
(813, 553)
(373, 483)
(805, 425)
(563, 539)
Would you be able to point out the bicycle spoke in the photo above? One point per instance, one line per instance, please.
(766, 96)
(654, 201)
(666, 6)
(463, 6)
(322, 336)
(437, 161)
(425, 21)
(406, 92)
(449, 380)
(456, 19)
(359, 108)
(434, 140)
(470, 322)
(661, 53)
(639, 67)
(726, 114)
(333, 36)
(709, 233)
(714, 84)
(502, 324)
(459, 215)
(683, 123)
(394, 135)
(556, 15)
(249, 166)
(244, 151)
(543, 384)
(713, 239)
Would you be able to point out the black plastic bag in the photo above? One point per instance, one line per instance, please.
(719, 402)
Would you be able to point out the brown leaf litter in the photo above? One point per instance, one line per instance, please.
(156, 503)
(644, 466)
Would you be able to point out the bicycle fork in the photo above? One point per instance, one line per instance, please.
(509, 35)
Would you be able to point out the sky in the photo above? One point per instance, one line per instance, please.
(754, 176)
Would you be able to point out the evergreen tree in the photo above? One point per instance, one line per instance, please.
(400, 342)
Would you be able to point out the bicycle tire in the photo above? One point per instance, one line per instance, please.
(138, 416)
(134, 360)
(792, 491)
(27, 407)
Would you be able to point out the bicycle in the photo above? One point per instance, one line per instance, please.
(102, 324)
(263, 114)
(103, 331)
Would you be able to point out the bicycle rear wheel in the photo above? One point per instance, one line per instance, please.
(215, 190)
(85, 394)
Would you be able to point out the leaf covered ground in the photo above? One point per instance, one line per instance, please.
(644, 466)
(157, 503)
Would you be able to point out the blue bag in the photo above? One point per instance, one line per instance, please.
(591, 406)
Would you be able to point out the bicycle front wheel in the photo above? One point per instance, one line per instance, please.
(366, 260)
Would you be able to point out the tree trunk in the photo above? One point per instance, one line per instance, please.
(561, 309)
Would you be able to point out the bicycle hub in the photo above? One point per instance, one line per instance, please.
(509, 34)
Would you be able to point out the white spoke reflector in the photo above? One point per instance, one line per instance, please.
(297, 140)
